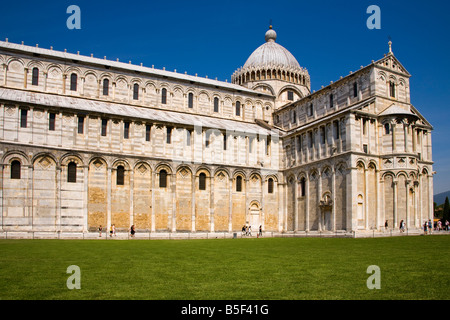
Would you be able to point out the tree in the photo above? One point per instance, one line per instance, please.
(446, 215)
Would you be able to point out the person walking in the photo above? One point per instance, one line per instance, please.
(386, 225)
(260, 230)
(132, 231)
(430, 226)
(425, 226)
(100, 228)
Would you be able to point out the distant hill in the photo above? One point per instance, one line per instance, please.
(440, 197)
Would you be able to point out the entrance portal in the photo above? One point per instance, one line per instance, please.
(327, 219)
(254, 217)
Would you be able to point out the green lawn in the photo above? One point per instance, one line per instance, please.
(414, 267)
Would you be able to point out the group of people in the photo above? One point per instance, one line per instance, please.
(427, 226)
(247, 231)
(112, 231)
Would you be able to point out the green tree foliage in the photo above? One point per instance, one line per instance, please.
(446, 215)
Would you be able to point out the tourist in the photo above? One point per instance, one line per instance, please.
(132, 231)
(260, 230)
(386, 225)
(446, 224)
(100, 228)
(425, 228)
(430, 226)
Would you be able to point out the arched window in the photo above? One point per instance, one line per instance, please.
(216, 104)
(164, 96)
(120, 179)
(238, 183)
(238, 108)
(23, 118)
(73, 82)
(163, 179)
(135, 91)
(35, 77)
(302, 187)
(290, 95)
(202, 181)
(190, 100)
(15, 169)
(392, 89)
(270, 185)
(105, 87)
(387, 128)
(72, 172)
(51, 121)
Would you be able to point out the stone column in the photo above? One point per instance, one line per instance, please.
(307, 202)
(131, 196)
(407, 203)
(86, 197)
(99, 82)
(5, 74)
(395, 202)
(58, 198)
(366, 199)
(82, 85)
(153, 219)
(420, 177)
(352, 219)
(333, 198)
(295, 204)
(405, 129)
(394, 127)
(416, 204)
(29, 195)
(378, 217)
(25, 77)
(211, 203)
(45, 80)
(64, 77)
(108, 197)
(193, 203)
(280, 206)
(319, 196)
(173, 180)
(230, 203)
(113, 90)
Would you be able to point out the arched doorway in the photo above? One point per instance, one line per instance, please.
(254, 216)
(325, 206)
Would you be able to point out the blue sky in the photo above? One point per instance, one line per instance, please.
(214, 38)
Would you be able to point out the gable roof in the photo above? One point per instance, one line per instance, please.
(391, 63)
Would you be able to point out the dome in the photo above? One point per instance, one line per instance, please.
(271, 62)
(271, 54)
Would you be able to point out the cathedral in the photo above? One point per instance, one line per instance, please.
(86, 141)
